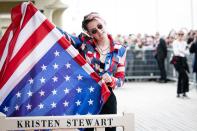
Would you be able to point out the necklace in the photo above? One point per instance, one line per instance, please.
(103, 51)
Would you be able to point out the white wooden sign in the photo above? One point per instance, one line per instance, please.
(67, 122)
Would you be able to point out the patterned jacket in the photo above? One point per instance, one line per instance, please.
(114, 63)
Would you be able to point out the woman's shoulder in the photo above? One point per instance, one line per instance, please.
(84, 38)
(120, 48)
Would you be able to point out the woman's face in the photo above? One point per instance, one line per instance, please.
(96, 29)
(180, 35)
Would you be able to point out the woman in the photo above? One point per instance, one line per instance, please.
(106, 57)
(180, 49)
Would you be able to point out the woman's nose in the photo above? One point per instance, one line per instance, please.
(100, 31)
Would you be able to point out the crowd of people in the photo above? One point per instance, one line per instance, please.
(182, 44)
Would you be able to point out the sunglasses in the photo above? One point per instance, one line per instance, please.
(180, 34)
(94, 30)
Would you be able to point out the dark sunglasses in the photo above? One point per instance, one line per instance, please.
(180, 34)
(94, 31)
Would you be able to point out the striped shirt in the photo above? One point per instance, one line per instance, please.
(114, 63)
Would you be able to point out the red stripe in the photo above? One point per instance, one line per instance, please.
(4, 40)
(121, 65)
(16, 15)
(64, 43)
(105, 92)
(26, 49)
(10, 50)
(16, 19)
(119, 74)
(80, 60)
(30, 11)
(95, 76)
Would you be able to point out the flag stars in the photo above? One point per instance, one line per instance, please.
(29, 93)
(78, 103)
(66, 103)
(89, 113)
(67, 78)
(66, 91)
(90, 102)
(5, 109)
(41, 106)
(53, 105)
(44, 67)
(41, 93)
(31, 81)
(55, 66)
(56, 53)
(18, 94)
(16, 107)
(42, 80)
(79, 77)
(77, 114)
(68, 65)
(54, 92)
(78, 90)
(91, 89)
(29, 107)
(55, 79)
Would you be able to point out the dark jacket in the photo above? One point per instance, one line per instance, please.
(193, 49)
(161, 51)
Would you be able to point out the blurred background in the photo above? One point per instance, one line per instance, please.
(122, 16)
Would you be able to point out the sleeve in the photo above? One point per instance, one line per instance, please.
(192, 48)
(164, 48)
(74, 40)
(119, 76)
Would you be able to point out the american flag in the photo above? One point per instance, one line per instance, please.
(41, 73)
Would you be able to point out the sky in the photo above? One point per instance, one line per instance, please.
(134, 16)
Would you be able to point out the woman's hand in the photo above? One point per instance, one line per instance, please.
(107, 78)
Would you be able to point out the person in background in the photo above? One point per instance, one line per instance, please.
(161, 54)
(193, 49)
(180, 50)
(190, 36)
(105, 56)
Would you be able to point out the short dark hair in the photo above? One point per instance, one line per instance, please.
(88, 18)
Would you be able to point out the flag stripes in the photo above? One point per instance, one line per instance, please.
(41, 73)
(27, 63)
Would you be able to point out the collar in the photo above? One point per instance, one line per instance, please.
(113, 45)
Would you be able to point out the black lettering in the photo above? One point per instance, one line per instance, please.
(81, 122)
(96, 122)
(75, 122)
(19, 124)
(50, 123)
(43, 123)
(89, 122)
(68, 123)
(57, 123)
(32, 123)
(103, 122)
(37, 123)
(27, 123)
(110, 121)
